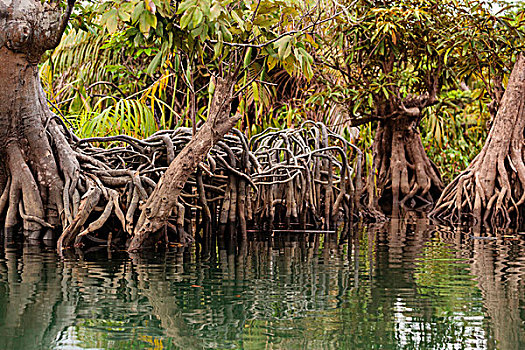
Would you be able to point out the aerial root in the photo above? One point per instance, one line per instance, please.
(87, 204)
(468, 199)
(304, 176)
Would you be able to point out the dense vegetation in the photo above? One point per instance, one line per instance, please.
(407, 89)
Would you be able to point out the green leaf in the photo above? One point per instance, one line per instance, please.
(238, 19)
(306, 55)
(248, 57)
(144, 26)
(186, 5)
(283, 47)
(126, 7)
(154, 64)
(227, 34)
(217, 48)
(308, 71)
(211, 86)
(112, 21)
(288, 66)
(186, 18)
(215, 12)
(205, 7)
(138, 40)
(445, 58)
(271, 62)
(124, 15)
(265, 21)
(137, 11)
(151, 19)
(197, 17)
(255, 89)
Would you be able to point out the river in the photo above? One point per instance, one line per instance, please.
(394, 286)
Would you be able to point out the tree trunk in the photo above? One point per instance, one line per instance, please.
(492, 189)
(163, 200)
(30, 180)
(402, 174)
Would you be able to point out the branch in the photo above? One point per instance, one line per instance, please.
(433, 85)
(58, 28)
(292, 32)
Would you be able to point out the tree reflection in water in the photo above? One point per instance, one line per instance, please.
(392, 286)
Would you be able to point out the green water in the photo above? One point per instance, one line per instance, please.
(394, 287)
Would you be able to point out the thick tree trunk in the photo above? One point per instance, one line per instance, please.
(492, 189)
(30, 180)
(402, 174)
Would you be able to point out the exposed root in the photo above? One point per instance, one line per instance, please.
(87, 205)
(304, 173)
(301, 177)
(402, 176)
(495, 179)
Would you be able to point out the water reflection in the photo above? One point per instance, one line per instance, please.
(396, 286)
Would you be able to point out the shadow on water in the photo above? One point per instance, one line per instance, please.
(394, 286)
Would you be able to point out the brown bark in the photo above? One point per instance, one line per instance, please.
(160, 204)
(47, 183)
(34, 188)
(402, 174)
(492, 189)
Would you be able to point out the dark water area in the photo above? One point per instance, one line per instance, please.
(397, 286)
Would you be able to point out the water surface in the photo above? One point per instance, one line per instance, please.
(392, 287)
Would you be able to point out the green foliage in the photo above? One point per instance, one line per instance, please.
(381, 52)
(212, 33)
(380, 55)
(454, 131)
(137, 66)
(119, 51)
(122, 116)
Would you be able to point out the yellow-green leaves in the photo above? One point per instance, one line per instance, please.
(215, 11)
(139, 12)
(284, 46)
(194, 14)
(238, 19)
(187, 17)
(292, 54)
(248, 57)
(197, 17)
(124, 11)
(271, 62)
(110, 18)
(306, 61)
